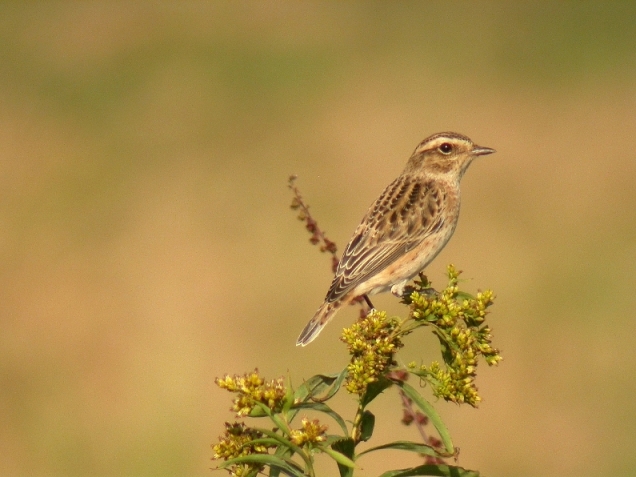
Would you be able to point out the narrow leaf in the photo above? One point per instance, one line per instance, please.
(461, 296)
(281, 440)
(314, 386)
(346, 447)
(284, 453)
(331, 439)
(268, 441)
(258, 412)
(422, 449)
(374, 389)
(336, 385)
(321, 407)
(338, 457)
(432, 414)
(252, 473)
(433, 470)
(446, 347)
(318, 384)
(289, 397)
(274, 417)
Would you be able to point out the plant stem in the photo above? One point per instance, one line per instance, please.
(357, 422)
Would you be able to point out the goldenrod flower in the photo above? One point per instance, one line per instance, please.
(236, 443)
(458, 323)
(372, 342)
(312, 432)
(251, 388)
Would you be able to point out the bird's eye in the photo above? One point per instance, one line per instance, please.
(445, 148)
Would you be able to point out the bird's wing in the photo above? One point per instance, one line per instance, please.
(407, 212)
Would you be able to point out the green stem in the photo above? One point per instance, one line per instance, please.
(356, 431)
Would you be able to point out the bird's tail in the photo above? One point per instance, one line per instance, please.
(324, 314)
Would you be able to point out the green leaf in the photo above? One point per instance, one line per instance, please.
(461, 296)
(374, 389)
(289, 467)
(289, 397)
(446, 346)
(314, 386)
(341, 459)
(268, 441)
(321, 407)
(258, 412)
(347, 448)
(335, 387)
(283, 442)
(331, 439)
(283, 453)
(422, 449)
(366, 426)
(293, 448)
(432, 414)
(252, 473)
(318, 384)
(434, 470)
(269, 413)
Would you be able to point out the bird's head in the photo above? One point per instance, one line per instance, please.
(446, 153)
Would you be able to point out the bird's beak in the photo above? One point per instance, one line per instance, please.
(482, 151)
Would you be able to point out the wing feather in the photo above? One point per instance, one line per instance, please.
(406, 213)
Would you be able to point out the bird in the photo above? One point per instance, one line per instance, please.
(404, 229)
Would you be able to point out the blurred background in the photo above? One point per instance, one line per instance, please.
(147, 246)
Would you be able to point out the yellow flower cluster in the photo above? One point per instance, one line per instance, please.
(457, 320)
(251, 388)
(312, 432)
(236, 443)
(451, 385)
(372, 342)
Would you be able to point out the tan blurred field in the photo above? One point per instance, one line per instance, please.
(147, 247)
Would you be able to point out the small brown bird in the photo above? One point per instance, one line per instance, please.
(404, 229)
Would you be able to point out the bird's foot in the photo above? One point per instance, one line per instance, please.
(398, 289)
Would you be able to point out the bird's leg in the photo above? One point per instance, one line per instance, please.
(369, 304)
